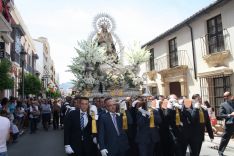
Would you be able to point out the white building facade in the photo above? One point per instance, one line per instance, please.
(5, 35)
(23, 43)
(45, 64)
(195, 56)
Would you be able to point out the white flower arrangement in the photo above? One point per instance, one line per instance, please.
(93, 66)
(136, 55)
(90, 52)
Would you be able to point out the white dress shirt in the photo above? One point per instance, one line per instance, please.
(4, 131)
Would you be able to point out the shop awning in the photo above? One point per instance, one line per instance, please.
(215, 72)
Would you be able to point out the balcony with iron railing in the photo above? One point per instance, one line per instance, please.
(216, 48)
(15, 57)
(170, 61)
(29, 68)
(5, 55)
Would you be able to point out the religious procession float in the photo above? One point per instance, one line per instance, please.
(103, 66)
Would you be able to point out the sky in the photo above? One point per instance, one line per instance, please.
(64, 23)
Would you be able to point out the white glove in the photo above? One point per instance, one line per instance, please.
(170, 105)
(181, 101)
(123, 105)
(144, 112)
(176, 105)
(134, 103)
(95, 140)
(104, 152)
(68, 149)
(148, 113)
(204, 107)
(72, 108)
(96, 117)
(197, 105)
(93, 108)
(149, 104)
(158, 104)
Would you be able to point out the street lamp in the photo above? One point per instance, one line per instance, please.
(22, 56)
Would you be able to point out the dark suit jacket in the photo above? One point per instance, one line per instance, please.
(73, 133)
(101, 111)
(181, 131)
(198, 129)
(108, 137)
(225, 109)
(145, 134)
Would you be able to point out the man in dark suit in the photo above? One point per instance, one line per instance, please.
(63, 109)
(147, 130)
(179, 123)
(78, 139)
(227, 113)
(200, 122)
(112, 139)
(124, 110)
(99, 103)
(166, 141)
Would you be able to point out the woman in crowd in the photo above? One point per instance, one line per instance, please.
(56, 112)
(19, 115)
(46, 114)
(34, 114)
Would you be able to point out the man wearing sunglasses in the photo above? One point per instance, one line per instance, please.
(227, 113)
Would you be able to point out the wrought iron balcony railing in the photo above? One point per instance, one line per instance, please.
(5, 55)
(15, 57)
(29, 68)
(214, 43)
(169, 61)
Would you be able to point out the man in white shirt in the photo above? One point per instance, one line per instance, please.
(4, 135)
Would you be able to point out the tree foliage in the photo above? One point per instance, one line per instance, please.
(6, 82)
(32, 85)
(53, 94)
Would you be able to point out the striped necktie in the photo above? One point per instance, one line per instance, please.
(115, 123)
(82, 120)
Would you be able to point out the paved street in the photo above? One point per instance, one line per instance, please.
(51, 144)
(40, 144)
(208, 151)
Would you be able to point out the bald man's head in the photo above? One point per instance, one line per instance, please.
(227, 95)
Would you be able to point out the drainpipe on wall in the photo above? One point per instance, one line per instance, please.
(193, 51)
